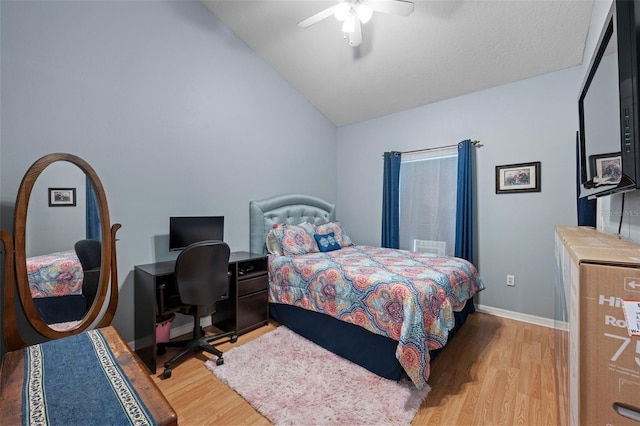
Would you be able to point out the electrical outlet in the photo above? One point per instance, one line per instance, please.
(511, 280)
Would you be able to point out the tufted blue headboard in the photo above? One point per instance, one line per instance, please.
(289, 209)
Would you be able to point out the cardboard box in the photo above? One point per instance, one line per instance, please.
(604, 272)
(609, 356)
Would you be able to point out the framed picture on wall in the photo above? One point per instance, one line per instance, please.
(62, 197)
(523, 177)
(607, 168)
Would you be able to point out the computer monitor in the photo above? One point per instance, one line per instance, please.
(185, 230)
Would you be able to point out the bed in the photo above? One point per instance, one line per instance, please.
(55, 282)
(390, 311)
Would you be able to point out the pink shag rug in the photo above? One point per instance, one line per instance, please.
(293, 381)
(64, 326)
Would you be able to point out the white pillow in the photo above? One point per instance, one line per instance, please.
(273, 246)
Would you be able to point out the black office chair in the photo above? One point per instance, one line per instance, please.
(89, 253)
(201, 279)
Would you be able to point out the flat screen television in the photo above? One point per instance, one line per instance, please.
(185, 230)
(608, 107)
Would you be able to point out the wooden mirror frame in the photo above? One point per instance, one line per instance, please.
(15, 273)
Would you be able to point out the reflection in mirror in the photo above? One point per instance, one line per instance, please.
(62, 209)
(74, 177)
(63, 224)
(602, 110)
(89, 253)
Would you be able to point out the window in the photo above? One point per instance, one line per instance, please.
(428, 182)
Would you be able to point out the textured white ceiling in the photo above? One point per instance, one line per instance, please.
(443, 50)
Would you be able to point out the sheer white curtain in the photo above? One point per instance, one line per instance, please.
(428, 198)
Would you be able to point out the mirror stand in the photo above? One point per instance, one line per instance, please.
(10, 331)
(16, 270)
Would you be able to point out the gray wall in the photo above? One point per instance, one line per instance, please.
(178, 116)
(175, 114)
(531, 120)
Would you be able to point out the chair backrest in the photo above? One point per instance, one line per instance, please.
(89, 253)
(201, 273)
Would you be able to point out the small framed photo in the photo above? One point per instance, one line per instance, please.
(62, 197)
(607, 168)
(523, 177)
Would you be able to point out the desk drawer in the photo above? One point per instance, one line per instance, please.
(252, 285)
(252, 311)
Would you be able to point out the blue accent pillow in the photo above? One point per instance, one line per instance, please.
(327, 242)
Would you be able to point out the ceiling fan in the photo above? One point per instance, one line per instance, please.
(353, 13)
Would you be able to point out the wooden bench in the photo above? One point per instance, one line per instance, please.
(12, 376)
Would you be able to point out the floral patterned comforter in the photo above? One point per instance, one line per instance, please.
(55, 274)
(407, 296)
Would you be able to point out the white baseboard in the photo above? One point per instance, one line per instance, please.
(518, 316)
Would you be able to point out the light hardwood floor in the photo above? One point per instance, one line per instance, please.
(494, 372)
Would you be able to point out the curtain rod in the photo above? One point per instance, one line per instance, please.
(475, 143)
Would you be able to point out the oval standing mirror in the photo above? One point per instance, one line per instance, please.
(58, 282)
(64, 247)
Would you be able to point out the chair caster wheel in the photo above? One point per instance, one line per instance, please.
(161, 350)
(234, 339)
(219, 361)
(167, 373)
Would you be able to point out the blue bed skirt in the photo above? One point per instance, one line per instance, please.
(374, 352)
(55, 310)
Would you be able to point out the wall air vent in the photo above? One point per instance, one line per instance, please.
(427, 246)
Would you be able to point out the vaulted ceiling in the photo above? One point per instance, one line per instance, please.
(444, 49)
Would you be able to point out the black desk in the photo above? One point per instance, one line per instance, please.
(245, 310)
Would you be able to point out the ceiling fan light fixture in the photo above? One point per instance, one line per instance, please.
(354, 13)
(364, 12)
(349, 25)
(341, 11)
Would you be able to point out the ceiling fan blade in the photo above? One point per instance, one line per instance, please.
(355, 38)
(317, 17)
(392, 7)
